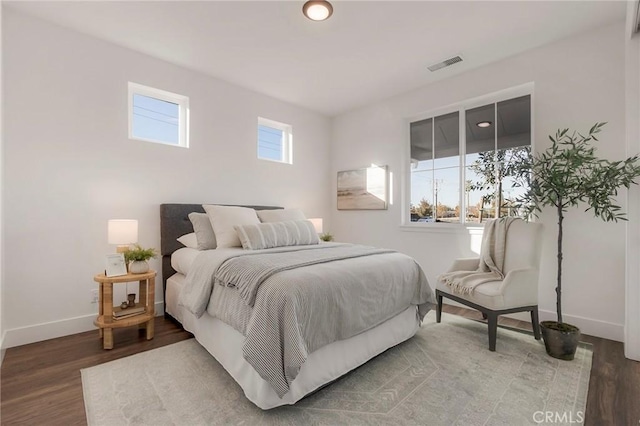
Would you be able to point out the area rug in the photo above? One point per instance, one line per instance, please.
(445, 375)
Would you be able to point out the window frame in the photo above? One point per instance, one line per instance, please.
(163, 95)
(287, 140)
(461, 108)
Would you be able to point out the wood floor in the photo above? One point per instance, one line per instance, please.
(40, 383)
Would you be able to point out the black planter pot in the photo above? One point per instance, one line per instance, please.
(560, 340)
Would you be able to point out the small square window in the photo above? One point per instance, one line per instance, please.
(274, 141)
(158, 116)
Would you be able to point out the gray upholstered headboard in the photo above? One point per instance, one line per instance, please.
(174, 222)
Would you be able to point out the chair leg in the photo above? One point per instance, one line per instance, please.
(439, 306)
(484, 315)
(535, 323)
(493, 330)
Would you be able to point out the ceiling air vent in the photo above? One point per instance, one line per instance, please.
(445, 63)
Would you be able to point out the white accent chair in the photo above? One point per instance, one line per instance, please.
(518, 292)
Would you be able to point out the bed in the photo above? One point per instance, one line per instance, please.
(226, 335)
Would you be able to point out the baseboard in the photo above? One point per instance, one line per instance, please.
(592, 327)
(2, 349)
(50, 330)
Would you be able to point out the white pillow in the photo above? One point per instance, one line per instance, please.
(182, 259)
(189, 240)
(277, 234)
(224, 218)
(203, 230)
(281, 215)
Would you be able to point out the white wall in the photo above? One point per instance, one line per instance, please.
(578, 81)
(2, 350)
(70, 166)
(632, 321)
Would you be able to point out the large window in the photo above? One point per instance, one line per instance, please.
(158, 116)
(462, 166)
(274, 141)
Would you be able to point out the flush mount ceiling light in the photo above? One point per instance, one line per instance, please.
(483, 124)
(317, 10)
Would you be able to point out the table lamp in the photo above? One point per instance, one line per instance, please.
(122, 232)
(317, 223)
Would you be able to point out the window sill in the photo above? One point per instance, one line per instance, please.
(178, 145)
(271, 160)
(441, 228)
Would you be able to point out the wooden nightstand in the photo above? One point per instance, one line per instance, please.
(105, 320)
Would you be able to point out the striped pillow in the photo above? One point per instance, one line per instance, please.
(277, 234)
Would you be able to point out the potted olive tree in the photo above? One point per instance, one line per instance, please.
(137, 259)
(568, 174)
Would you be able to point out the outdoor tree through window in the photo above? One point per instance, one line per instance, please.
(472, 178)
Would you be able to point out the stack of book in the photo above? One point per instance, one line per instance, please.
(120, 313)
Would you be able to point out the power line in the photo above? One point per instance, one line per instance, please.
(156, 119)
(157, 112)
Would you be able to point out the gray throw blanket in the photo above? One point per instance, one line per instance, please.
(247, 273)
(492, 252)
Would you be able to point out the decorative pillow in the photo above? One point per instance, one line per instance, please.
(189, 240)
(277, 234)
(281, 215)
(224, 218)
(203, 230)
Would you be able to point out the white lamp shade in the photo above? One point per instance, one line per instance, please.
(122, 231)
(317, 223)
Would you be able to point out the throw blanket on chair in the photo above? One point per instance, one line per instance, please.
(492, 251)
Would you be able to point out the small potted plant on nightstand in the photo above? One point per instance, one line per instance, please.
(137, 259)
(569, 174)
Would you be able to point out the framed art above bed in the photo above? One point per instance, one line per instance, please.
(363, 189)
